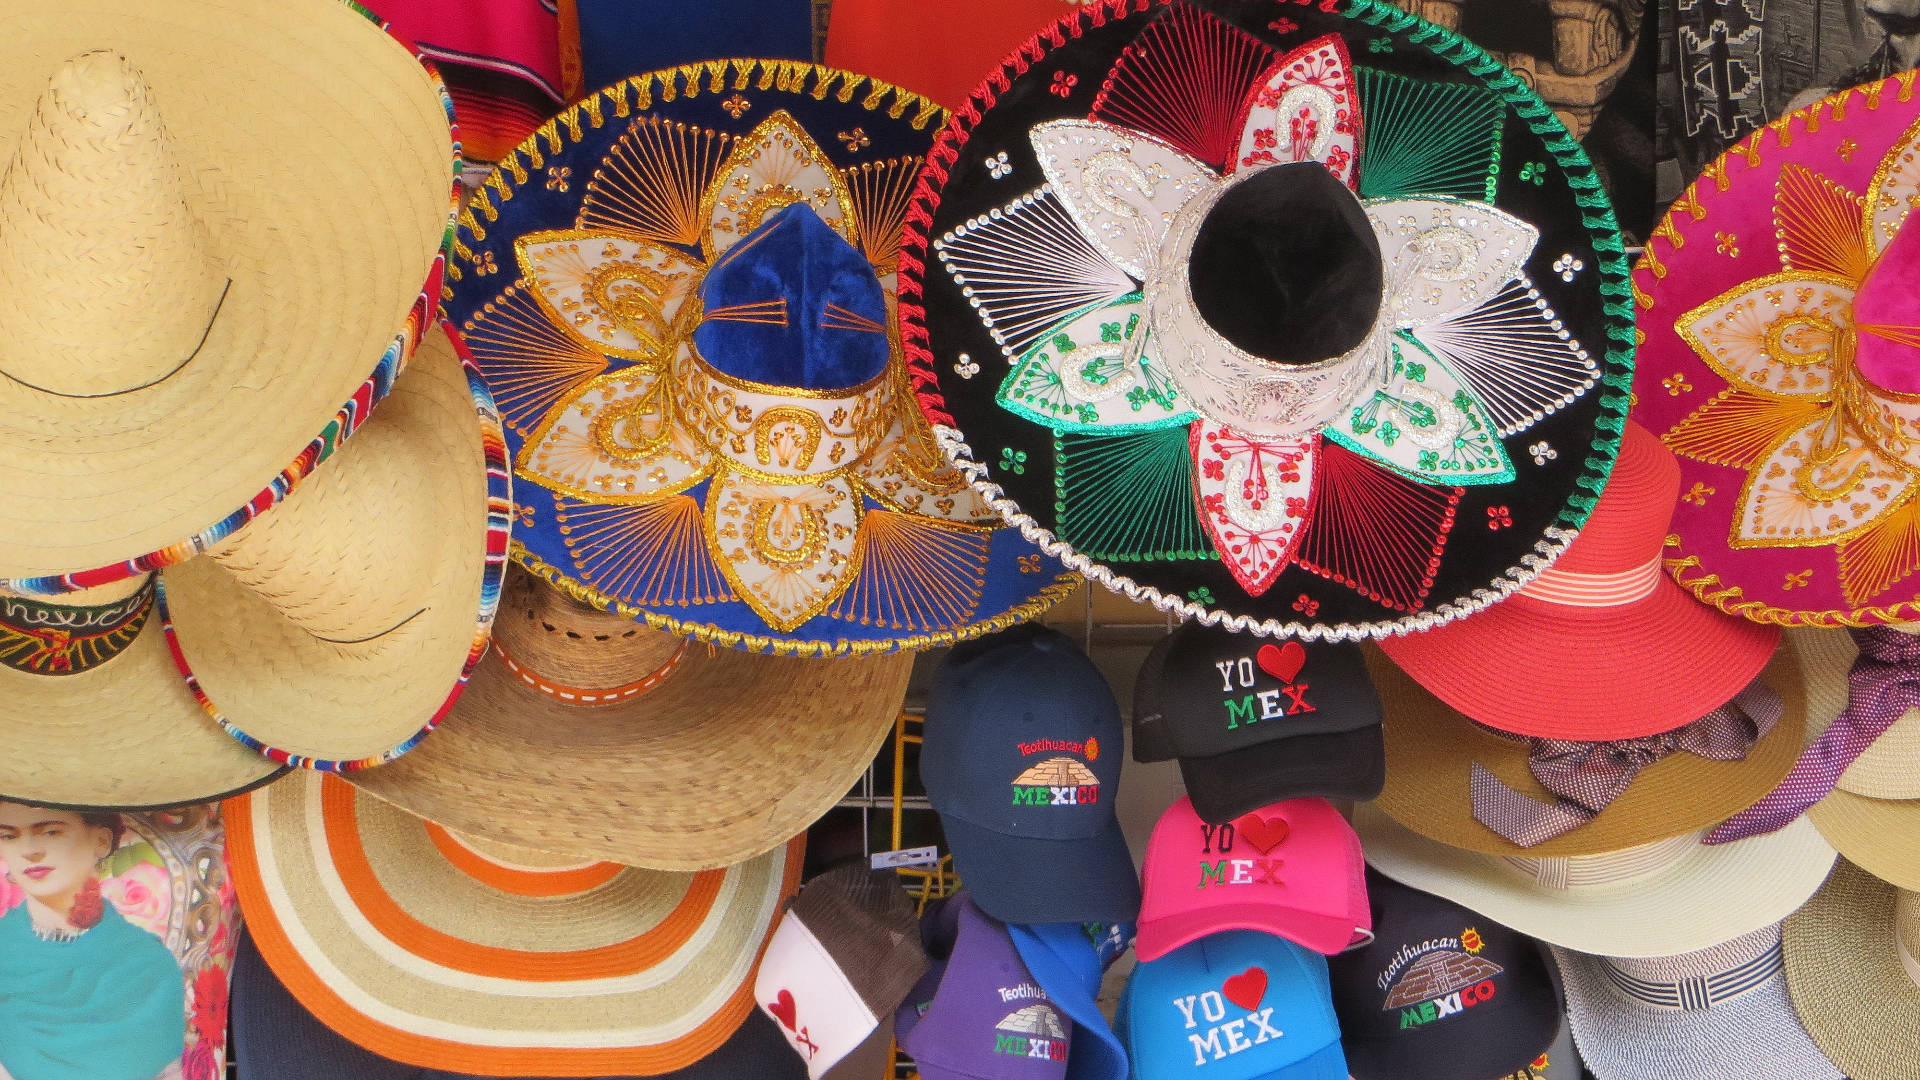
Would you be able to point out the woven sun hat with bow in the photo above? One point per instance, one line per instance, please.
(1478, 788)
(1666, 897)
(683, 294)
(1602, 645)
(1298, 320)
(335, 632)
(576, 715)
(1782, 362)
(1853, 970)
(446, 950)
(182, 342)
(1707, 1014)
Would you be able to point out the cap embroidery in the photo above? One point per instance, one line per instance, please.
(1438, 978)
(1057, 781)
(783, 1009)
(1261, 834)
(1031, 1031)
(1283, 662)
(1223, 1037)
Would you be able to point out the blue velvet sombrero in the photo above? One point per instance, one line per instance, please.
(681, 292)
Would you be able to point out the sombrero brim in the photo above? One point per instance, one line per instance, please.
(1590, 673)
(758, 748)
(125, 735)
(329, 291)
(1431, 750)
(1754, 1036)
(387, 939)
(1881, 836)
(1846, 979)
(303, 700)
(1713, 894)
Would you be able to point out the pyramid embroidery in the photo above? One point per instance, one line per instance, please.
(1438, 974)
(1057, 781)
(1057, 772)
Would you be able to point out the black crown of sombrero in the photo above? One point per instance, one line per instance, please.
(1308, 322)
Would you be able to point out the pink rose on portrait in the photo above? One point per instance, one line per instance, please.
(200, 1062)
(142, 896)
(10, 894)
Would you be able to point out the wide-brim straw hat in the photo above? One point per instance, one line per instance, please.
(1608, 646)
(1853, 976)
(570, 724)
(448, 952)
(710, 449)
(1431, 751)
(1394, 453)
(337, 630)
(1777, 362)
(1672, 896)
(99, 716)
(183, 342)
(1752, 1033)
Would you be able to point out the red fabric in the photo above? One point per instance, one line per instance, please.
(941, 49)
(501, 62)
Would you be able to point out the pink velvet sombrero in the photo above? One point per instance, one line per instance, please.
(1782, 365)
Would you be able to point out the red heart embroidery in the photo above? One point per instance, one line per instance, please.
(1263, 833)
(1246, 989)
(783, 1011)
(1282, 662)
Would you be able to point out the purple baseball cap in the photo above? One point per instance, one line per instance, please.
(988, 1018)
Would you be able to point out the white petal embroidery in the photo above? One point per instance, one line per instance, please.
(1445, 256)
(1122, 188)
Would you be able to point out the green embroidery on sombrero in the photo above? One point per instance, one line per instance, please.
(1080, 377)
(1128, 496)
(1428, 138)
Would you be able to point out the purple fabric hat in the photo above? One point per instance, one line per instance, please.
(988, 1018)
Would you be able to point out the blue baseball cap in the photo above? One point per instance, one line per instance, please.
(1239, 1005)
(989, 1018)
(1067, 960)
(1021, 760)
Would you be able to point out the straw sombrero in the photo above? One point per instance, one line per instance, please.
(682, 294)
(1853, 971)
(576, 715)
(1781, 364)
(335, 631)
(1432, 750)
(1671, 896)
(445, 951)
(1309, 325)
(179, 334)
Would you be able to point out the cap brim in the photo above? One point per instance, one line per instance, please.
(1755, 1035)
(1327, 1063)
(1713, 893)
(1020, 879)
(1337, 765)
(1846, 980)
(867, 1061)
(1096, 1050)
(1431, 751)
(1589, 674)
(1324, 934)
(764, 745)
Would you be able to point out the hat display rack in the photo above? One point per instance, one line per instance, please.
(1197, 557)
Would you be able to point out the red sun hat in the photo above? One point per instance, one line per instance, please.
(1603, 644)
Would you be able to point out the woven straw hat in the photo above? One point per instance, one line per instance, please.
(446, 951)
(179, 335)
(1431, 750)
(576, 715)
(334, 632)
(1711, 1014)
(1671, 896)
(99, 717)
(1853, 974)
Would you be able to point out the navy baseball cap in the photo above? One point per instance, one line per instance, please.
(1255, 722)
(1068, 960)
(276, 1038)
(1238, 1005)
(1443, 993)
(1022, 758)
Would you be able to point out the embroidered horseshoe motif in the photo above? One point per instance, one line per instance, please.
(1270, 514)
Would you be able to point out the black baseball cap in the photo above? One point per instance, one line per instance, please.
(276, 1038)
(1021, 758)
(1256, 721)
(1442, 992)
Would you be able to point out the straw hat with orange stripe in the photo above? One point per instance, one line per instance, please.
(446, 951)
(1602, 645)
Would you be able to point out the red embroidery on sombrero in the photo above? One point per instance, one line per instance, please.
(574, 695)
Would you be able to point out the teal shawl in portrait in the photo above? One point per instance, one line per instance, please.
(108, 1005)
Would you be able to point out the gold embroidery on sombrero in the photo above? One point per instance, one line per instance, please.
(1831, 458)
(42, 638)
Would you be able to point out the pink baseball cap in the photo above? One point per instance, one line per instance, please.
(1292, 869)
